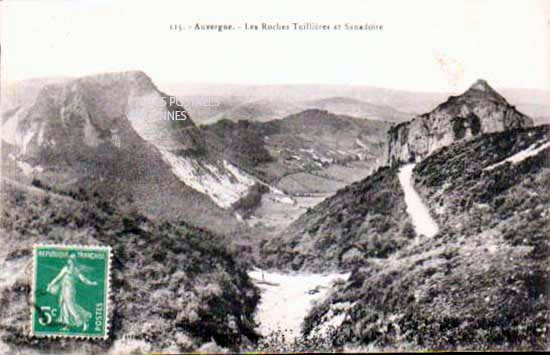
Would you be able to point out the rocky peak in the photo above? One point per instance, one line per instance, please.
(84, 112)
(478, 110)
(482, 90)
(481, 85)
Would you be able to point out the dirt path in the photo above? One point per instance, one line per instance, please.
(531, 151)
(422, 221)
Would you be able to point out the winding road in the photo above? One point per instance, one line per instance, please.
(423, 223)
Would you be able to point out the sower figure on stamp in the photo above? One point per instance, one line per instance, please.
(70, 313)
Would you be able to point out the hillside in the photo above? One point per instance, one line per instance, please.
(308, 141)
(299, 159)
(479, 283)
(174, 286)
(357, 108)
(366, 218)
(109, 132)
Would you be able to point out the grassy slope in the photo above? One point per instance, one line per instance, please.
(482, 281)
(367, 218)
(172, 284)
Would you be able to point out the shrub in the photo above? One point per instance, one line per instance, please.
(37, 183)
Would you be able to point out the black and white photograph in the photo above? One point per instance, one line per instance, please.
(274, 176)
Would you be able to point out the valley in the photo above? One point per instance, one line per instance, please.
(283, 223)
(286, 299)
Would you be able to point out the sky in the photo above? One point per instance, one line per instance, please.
(425, 45)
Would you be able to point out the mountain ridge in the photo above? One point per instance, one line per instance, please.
(103, 131)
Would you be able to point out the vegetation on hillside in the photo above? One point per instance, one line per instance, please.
(253, 198)
(481, 283)
(173, 285)
(364, 219)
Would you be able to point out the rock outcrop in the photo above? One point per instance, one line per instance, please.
(478, 110)
(91, 111)
(120, 131)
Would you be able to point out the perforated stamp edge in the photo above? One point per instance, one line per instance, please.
(107, 326)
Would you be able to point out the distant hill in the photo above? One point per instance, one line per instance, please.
(260, 110)
(534, 103)
(266, 109)
(356, 108)
(305, 141)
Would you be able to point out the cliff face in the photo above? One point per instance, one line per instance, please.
(88, 112)
(117, 133)
(86, 123)
(478, 110)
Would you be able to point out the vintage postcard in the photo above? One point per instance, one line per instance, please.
(245, 176)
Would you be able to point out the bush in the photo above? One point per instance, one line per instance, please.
(36, 183)
(251, 200)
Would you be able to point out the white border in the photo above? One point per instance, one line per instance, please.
(107, 295)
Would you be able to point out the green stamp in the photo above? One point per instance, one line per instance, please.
(70, 291)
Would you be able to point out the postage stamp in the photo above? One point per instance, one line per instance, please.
(70, 291)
